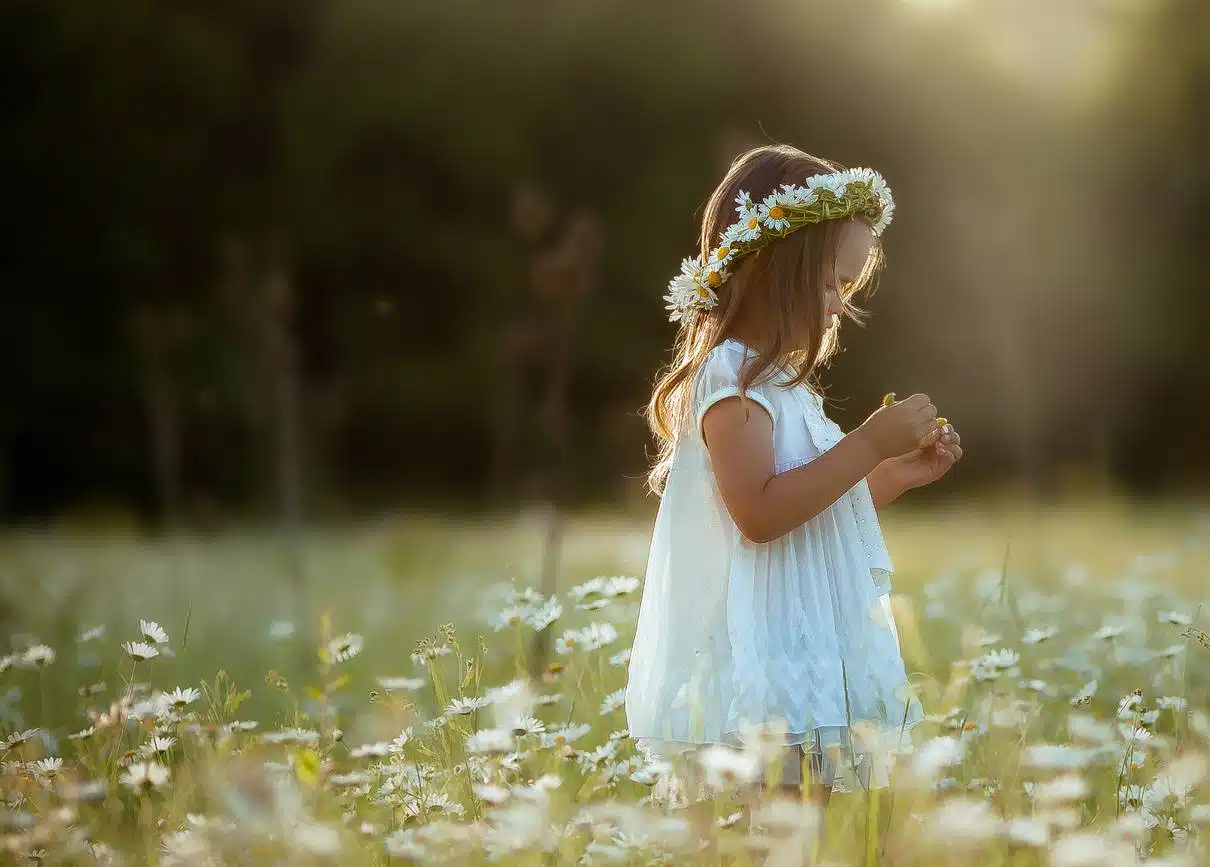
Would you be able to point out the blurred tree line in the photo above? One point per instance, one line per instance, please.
(326, 256)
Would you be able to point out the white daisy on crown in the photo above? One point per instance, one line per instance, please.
(834, 196)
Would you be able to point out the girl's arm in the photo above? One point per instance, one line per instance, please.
(885, 486)
(766, 505)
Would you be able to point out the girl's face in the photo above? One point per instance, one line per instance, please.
(852, 251)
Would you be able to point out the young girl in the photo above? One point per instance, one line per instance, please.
(766, 597)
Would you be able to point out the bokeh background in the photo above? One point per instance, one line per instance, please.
(323, 258)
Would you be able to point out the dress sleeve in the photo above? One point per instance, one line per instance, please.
(719, 379)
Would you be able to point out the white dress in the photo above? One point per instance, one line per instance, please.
(796, 631)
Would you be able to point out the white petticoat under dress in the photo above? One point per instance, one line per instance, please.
(797, 631)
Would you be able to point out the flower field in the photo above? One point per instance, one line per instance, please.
(402, 693)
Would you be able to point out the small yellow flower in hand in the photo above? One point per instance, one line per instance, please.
(889, 400)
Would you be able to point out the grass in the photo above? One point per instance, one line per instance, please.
(1008, 771)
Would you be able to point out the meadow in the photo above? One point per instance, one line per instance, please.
(364, 696)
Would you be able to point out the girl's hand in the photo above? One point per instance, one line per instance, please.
(937, 451)
(901, 425)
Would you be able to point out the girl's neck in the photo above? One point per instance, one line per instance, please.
(749, 338)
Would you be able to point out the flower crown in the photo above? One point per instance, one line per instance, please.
(833, 196)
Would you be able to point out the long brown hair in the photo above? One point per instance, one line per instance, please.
(779, 289)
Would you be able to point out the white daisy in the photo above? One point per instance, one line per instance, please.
(38, 656)
(797, 197)
(527, 725)
(158, 745)
(727, 768)
(1056, 757)
(682, 292)
(586, 590)
(401, 684)
(545, 614)
(564, 735)
(490, 741)
(821, 185)
(280, 630)
(179, 697)
(145, 776)
(1129, 702)
(722, 255)
(937, 753)
(377, 750)
(1084, 696)
(491, 793)
(1068, 787)
(401, 740)
(1037, 636)
(598, 757)
(7, 661)
(773, 214)
(1168, 792)
(18, 738)
(91, 634)
(350, 779)
(291, 736)
(153, 632)
(509, 617)
(1108, 632)
(1171, 702)
(1134, 734)
(1027, 832)
(597, 635)
(614, 701)
(1175, 617)
(592, 637)
(140, 650)
(743, 204)
(345, 647)
(1089, 728)
(620, 660)
(83, 734)
(620, 585)
(465, 706)
(747, 228)
(1001, 659)
(45, 768)
(405, 844)
(316, 838)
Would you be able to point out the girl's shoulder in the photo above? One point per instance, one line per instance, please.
(731, 357)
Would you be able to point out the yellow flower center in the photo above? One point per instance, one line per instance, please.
(714, 279)
(776, 213)
(722, 253)
(753, 222)
(702, 293)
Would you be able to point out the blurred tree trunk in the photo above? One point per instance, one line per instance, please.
(259, 291)
(159, 333)
(276, 321)
(561, 278)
